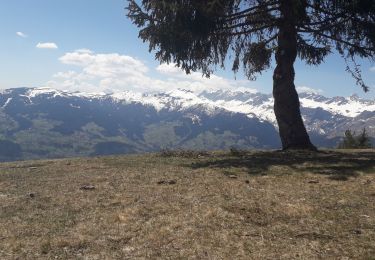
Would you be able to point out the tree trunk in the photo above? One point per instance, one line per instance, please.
(292, 131)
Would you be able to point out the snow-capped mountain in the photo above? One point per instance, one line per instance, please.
(44, 122)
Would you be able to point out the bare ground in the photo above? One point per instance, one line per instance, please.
(241, 205)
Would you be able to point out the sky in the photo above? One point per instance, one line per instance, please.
(91, 46)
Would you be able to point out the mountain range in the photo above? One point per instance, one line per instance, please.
(47, 123)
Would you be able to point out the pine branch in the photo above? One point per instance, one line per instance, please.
(318, 32)
(250, 23)
(247, 31)
(249, 10)
(325, 25)
(248, 14)
(321, 10)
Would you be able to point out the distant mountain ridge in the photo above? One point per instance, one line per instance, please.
(48, 123)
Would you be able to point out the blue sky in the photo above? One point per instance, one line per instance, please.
(97, 49)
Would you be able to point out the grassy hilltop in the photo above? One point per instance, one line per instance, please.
(189, 205)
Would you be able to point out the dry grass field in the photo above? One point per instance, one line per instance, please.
(186, 205)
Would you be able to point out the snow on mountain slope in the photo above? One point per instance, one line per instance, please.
(350, 107)
(7, 102)
(173, 100)
(251, 103)
(44, 90)
(262, 105)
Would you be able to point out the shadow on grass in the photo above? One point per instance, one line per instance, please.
(339, 165)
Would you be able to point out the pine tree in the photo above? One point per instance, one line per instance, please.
(353, 141)
(349, 141)
(199, 35)
(364, 140)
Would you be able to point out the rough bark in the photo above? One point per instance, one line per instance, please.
(292, 131)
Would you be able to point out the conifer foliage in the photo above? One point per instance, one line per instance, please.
(353, 141)
(201, 35)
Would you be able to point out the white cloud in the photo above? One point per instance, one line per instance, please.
(196, 82)
(304, 89)
(84, 51)
(47, 45)
(169, 69)
(21, 34)
(114, 72)
(372, 69)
